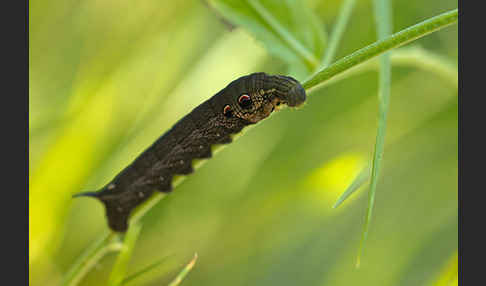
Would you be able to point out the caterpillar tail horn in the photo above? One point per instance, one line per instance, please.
(117, 215)
(86, 194)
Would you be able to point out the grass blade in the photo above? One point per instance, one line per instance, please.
(119, 269)
(184, 272)
(341, 23)
(300, 49)
(384, 28)
(359, 181)
(89, 258)
(381, 46)
(142, 271)
(287, 29)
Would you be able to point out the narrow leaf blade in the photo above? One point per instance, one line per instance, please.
(362, 177)
(336, 34)
(384, 28)
(184, 272)
(143, 271)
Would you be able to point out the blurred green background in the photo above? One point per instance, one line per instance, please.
(107, 78)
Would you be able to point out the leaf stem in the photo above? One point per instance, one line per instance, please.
(396, 40)
(407, 57)
(118, 272)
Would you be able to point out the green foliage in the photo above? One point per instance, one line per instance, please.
(396, 40)
(90, 257)
(113, 77)
(287, 29)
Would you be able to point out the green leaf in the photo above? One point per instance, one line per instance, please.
(384, 28)
(184, 272)
(121, 264)
(359, 181)
(287, 29)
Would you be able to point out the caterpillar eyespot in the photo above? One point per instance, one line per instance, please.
(227, 111)
(244, 100)
(192, 138)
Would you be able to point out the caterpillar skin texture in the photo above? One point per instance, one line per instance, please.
(245, 101)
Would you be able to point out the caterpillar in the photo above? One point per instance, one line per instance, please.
(245, 101)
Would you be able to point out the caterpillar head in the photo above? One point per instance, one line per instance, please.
(255, 97)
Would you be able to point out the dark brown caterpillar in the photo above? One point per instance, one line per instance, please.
(244, 101)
